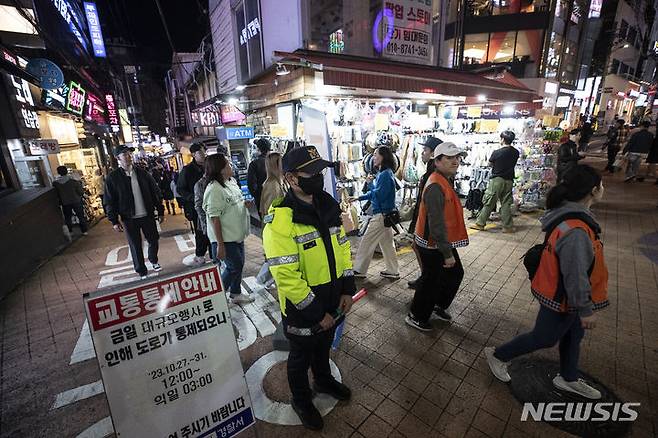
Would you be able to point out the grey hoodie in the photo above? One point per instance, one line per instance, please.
(576, 254)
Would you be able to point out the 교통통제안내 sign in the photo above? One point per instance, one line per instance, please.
(169, 358)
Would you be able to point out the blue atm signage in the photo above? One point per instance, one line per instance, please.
(236, 133)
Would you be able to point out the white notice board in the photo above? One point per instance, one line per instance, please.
(169, 359)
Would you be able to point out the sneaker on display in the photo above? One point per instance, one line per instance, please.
(498, 367)
(579, 387)
(157, 267)
(242, 298)
(418, 325)
(442, 314)
(389, 275)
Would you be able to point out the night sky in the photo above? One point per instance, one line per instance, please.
(138, 21)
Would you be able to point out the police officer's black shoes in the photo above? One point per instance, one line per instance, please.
(335, 389)
(413, 283)
(310, 416)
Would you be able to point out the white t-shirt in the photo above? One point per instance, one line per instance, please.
(140, 208)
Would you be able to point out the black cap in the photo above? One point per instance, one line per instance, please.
(305, 159)
(121, 149)
(432, 143)
(196, 147)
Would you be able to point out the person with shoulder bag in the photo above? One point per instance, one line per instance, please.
(570, 282)
(381, 193)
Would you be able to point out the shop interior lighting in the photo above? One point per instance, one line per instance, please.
(240, 88)
(482, 98)
(281, 70)
(421, 102)
(509, 109)
(233, 101)
(474, 53)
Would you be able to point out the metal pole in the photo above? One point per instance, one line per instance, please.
(133, 121)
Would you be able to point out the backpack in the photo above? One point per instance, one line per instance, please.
(532, 257)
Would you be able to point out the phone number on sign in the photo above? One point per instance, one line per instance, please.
(406, 49)
(176, 366)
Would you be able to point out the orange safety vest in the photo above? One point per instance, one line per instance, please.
(453, 215)
(547, 285)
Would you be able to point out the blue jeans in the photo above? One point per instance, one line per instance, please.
(232, 275)
(550, 327)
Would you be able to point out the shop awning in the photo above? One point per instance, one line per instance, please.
(358, 72)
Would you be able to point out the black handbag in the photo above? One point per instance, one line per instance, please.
(392, 218)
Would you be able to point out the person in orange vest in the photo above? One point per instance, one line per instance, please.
(440, 230)
(571, 282)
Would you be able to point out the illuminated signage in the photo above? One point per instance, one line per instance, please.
(112, 114)
(252, 29)
(94, 111)
(22, 106)
(231, 114)
(9, 57)
(206, 118)
(71, 17)
(406, 30)
(378, 42)
(563, 102)
(95, 29)
(75, 101)
(336, 42)
(49, 74)
(239, 133)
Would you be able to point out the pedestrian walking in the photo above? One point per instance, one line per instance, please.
(426, 156)
(227, 223)
(256, 173)
(69, 192)
(98, 183)
(309, 256)
(132, 198)
(174, 190)
(616, 141)
(567, 154)
(381, 193)
(440, 230)
(652, 159)
(188, 177)
(499, 189)
(273, 187)
(637, 148)
(586, 133)
(164, 182)
(571, 282)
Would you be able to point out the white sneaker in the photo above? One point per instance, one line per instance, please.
(157, 267)
(498, 367)
(577, 387)
(199, 260)
(242, 298)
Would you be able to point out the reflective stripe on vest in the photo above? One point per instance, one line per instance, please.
(453, 216)
(547, 283)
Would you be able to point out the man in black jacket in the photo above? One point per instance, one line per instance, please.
(638, 147)
(131, 198)
(567, 154)
(188, 177)
(256, 174)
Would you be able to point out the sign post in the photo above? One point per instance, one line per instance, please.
(169, 359)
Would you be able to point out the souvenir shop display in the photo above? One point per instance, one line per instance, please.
(537, 164)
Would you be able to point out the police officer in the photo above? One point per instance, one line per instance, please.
(309, 257)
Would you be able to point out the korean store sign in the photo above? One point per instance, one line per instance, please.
(95, 29)
(44, 147)
(112, 114)
(406, 30)
(21, 104)
(75, 101)
(169, 358)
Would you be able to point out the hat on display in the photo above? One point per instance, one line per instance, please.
(432, 142)
(305, 159)
(121, 149)
(196, 147)
(448, 149)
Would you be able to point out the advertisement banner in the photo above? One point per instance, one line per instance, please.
(44, 147)
(169, 358)
(406, 30)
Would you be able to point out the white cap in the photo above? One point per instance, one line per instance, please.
(449, 149)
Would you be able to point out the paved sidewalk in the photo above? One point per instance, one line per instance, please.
(404, 383)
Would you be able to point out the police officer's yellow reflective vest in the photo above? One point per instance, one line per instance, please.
(297, 257)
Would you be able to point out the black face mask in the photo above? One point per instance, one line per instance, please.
(312, 185)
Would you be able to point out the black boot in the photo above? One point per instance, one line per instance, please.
(335, 389)
(413, 283)
(310, 416)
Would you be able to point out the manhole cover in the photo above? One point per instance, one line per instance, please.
(172, 233)
(532, 382)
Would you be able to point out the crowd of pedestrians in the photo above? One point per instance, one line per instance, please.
(309, 257)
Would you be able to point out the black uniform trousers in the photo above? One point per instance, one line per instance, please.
(134, 229)
(308, 351)
(437, 285)
(201, 241)
(612, 157)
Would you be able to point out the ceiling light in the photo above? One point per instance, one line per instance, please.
(626, 46)
(240, 87)
(482, 98)
(508, 110)
(281, 70)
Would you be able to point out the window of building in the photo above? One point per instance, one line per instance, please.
(614, 67)
(501, 47)
(623, 29)
(623, 69)
(631, 36)
(475, 48)
(249, 38)
(528, 45)
(478, 8)
(554, 53)
(631, 71)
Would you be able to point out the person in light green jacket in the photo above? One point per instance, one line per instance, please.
(228, 223)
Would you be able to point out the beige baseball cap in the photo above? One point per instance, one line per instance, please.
(449, 149)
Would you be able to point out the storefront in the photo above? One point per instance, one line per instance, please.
(366, 103)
